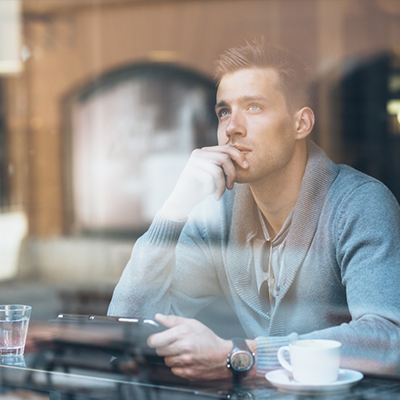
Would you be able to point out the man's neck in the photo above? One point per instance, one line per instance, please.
(277, 194)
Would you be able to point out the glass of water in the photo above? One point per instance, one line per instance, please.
(14, 321)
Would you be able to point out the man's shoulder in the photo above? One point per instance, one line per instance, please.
(344, 180)
(349, 178)
(352, 185)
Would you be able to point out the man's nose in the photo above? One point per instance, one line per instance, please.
(236, 125)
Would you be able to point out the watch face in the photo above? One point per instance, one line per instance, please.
(241, 361)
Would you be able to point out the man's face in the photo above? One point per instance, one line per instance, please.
(253, 117)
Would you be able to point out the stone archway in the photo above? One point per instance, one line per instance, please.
(132, 131)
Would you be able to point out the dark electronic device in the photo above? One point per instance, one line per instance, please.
(119, 334)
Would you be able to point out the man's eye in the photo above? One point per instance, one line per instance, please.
(254, 107)
(223, 113)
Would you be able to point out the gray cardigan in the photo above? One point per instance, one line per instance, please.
(340, 279)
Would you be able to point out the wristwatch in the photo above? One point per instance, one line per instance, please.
(240, 360)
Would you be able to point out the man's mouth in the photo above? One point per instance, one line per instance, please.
(242, 149)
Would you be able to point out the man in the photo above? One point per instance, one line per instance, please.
(302, 248)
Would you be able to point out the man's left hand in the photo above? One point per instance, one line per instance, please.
(190, 349)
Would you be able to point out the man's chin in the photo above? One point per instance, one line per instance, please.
(243, 175)
(241, 179)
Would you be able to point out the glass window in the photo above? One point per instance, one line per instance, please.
(131, 136)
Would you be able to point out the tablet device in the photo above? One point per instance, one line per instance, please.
(146, 324)
(102, 343)
(116, 332)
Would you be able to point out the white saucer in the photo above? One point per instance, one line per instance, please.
(283, 380)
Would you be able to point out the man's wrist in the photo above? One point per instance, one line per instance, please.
(173, 212)
(253, 348)
(241, 359)
(226, 348)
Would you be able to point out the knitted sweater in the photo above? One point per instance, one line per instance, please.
(340, 279)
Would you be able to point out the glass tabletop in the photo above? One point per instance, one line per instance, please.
(86, 364)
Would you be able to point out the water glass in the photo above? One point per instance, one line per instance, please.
(14, 321)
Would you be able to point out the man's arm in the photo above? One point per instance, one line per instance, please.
(366, 238)
(144, 287)
(368, 253)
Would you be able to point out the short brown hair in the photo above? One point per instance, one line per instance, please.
(295, 76)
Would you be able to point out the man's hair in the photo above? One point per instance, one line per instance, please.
(294, 75)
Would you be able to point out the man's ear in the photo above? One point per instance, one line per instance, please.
(305, 120)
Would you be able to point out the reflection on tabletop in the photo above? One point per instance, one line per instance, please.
(16, 361)
(95, 357)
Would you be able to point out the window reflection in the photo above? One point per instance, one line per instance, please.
(365, 110)
(132, 134)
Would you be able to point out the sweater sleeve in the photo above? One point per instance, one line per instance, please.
(368, 255)
(168, 272)
(367, 235)
(267, 349)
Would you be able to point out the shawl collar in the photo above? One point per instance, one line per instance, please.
(318, 177)
(240, 258)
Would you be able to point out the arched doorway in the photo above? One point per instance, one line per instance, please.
(131, 132)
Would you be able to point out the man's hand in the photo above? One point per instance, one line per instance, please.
(209, 170)
(192, 350)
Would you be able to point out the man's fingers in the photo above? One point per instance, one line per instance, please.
(162, 339)
(190, 349)
(236, 155)
(209, 170)
(225, 157)
(173, 361)
(220, 167)
(168, 351)
(229, 172)
(170, 320)
(211, 176)
(179, 371)
(168, 336)
(204, 176)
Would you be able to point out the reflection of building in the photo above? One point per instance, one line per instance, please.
(131, 135)
(367, 117)
(76, 44)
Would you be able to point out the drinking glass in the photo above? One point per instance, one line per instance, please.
(14, 321)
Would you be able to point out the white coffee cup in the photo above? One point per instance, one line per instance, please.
(312, 361)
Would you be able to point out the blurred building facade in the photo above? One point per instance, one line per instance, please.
(96, 105)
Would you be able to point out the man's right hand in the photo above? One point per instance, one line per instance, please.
(209, 170)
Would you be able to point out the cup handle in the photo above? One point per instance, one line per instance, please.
(282, 359)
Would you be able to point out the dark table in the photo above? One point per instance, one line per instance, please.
(77, 365)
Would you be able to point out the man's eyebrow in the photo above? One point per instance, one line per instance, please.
(221, 104)
(243, 99)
